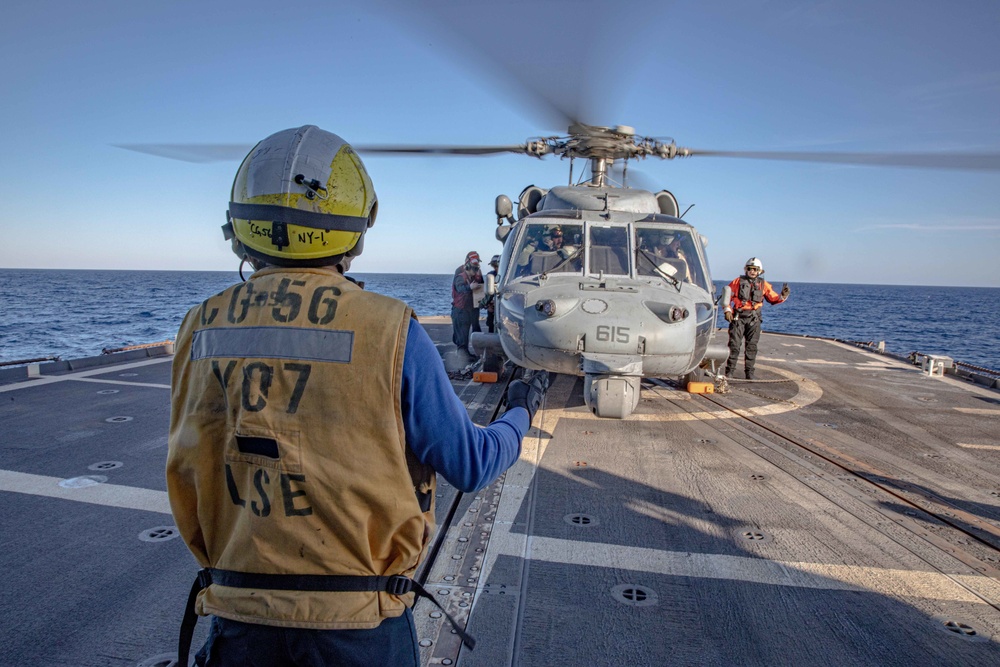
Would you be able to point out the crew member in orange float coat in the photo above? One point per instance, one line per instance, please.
(743, 313)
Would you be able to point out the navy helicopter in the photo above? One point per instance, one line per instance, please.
(598, 279)
(601, 280)
(604, 281)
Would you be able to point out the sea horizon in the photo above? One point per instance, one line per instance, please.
(445, 273)
(69, 316)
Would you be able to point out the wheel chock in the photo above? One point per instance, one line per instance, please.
(484, 376)
(701, 388)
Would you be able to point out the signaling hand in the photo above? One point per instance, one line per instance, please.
(785, 291)
(528, 394)
(729, 316)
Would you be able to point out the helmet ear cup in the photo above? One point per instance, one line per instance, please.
(358, 248)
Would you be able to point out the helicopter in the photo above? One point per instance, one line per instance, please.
(608, 282)
(598, 279)
(602, 281)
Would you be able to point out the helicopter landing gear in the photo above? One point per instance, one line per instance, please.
(611, 396)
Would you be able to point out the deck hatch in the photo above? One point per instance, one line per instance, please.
(635, 595)
(159, 534)
(105, 465)
(581, 520)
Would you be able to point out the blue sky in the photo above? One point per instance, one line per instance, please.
(911, 76)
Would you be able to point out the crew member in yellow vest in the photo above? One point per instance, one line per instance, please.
(308, 420)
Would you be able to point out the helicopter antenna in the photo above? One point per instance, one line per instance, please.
(685, 211)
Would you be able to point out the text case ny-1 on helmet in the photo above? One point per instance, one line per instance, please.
(301, 197)
(755, 262)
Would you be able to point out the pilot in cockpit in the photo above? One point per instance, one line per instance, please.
(552, 240)
(667, 254)
(547, 253)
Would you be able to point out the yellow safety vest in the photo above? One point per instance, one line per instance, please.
(287, 453)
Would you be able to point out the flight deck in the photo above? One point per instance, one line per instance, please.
(843, 509)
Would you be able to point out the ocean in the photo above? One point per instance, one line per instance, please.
(73, 314)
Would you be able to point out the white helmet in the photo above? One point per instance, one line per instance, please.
(755, 263)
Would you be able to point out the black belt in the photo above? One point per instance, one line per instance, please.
(393, 585)
(748, 313)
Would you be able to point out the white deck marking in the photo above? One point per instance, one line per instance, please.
(969, 445)
(132, 384)
(899, 583)
(819, 362)
(808, 392)
(111, 495)
(992, 412)
(99, 370)
(825, 576)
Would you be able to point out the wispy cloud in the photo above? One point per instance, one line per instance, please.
(934, 227)
(939, 93)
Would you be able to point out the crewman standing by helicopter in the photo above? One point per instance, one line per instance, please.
(464, 309)
(743, 312)
(308, 421)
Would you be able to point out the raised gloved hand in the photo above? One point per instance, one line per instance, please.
(528, 393)
(785, 291)
(729, 316)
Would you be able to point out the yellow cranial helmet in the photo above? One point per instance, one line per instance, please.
(301, 197)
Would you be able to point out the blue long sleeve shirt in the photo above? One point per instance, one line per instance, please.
(438, 428)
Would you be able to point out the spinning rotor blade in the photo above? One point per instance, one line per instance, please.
(633, 177)
(193, 152)
(203, 153)
(558, 62)
(956, 161)
(441, 150)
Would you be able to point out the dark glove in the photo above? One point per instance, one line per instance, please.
(785, 291)
(528, 394)
(729, 316)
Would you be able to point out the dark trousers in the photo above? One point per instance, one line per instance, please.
(461, 323)
(236, 644)
(491, 320)
(744, 327)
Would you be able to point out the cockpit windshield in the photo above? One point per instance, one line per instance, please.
(549, 248)
(668, 253)
(609, 250)
(641, 250)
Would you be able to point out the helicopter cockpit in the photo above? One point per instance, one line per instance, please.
(650, 251)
